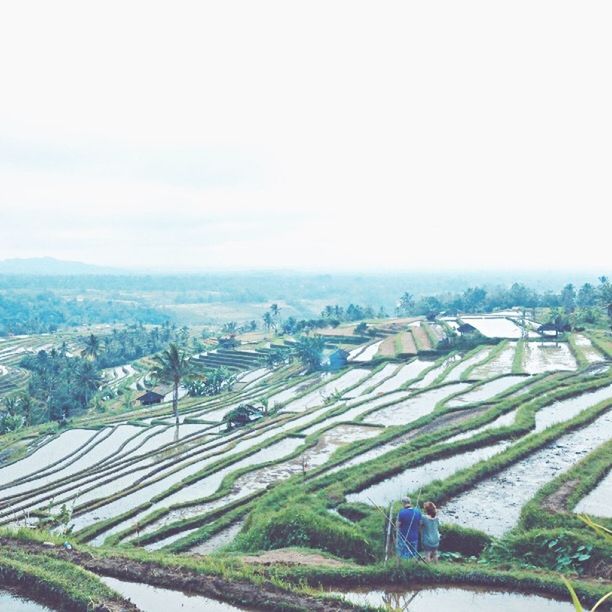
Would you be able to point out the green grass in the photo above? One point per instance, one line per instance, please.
(519, 354)
(52, 579)
(578, 353)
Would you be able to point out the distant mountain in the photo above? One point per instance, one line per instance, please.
(49, 266)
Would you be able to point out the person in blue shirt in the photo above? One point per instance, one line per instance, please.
(408, 525)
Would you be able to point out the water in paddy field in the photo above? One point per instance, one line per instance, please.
(494, 327)
(500, 364)
(486, 391)
(591, 354)
(220, 539)
(155, 599)
(55, 450)
(372, 381)
(563, 410)
(412, 408)
(15, 603)
(413, 478)
(366, 354)
(457, 599)
(494, 505)
(460, 368)
(548, 356)
(597, 502)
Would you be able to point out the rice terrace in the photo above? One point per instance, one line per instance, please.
(305, 306)
(276, 482)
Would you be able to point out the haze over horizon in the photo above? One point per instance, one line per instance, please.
(327, 136)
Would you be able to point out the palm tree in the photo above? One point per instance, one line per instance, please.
(268, 321)
(172, 366)
(25, 407)
(89, 380)
(92, 347)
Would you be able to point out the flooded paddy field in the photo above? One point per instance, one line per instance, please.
(219, 540)
(464, 364)
(414, 407)
(494, 505)
(547, 357)
(495, 327)
(155, 599)
(591, 354)
(486, 391)
(13, 602)
(414, 478)
(500, 364)
(458, 599)
(599, 501)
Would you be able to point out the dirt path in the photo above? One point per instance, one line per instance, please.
(265, 596)
(292, 557)
(557, 501)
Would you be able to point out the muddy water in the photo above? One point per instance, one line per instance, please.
(494, 505)
(566, 409)
(223, 538)
(458, 599)
(414, 478)
(590, 352)
(486, 391)
(501, 364)
(372, 381)
(254, 481)
(494, 328)
(202, 488)
(414, 407)
(597, 502)
(155, 599)
(547, 357)
(15, 603)
(461, 367)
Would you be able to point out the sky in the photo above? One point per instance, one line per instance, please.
(310, 135)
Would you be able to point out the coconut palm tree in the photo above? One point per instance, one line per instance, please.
(172, 366)
(268, 321)
(92, 347)
(25, 407)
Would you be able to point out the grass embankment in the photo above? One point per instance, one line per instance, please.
(602, 340)
(222, 579)
(577, 351)
(56, 582)
(519, 358)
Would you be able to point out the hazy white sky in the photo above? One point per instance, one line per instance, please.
(378, 135)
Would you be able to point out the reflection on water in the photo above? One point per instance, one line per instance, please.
(455, 599)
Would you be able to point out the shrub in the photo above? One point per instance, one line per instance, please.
(307, 523)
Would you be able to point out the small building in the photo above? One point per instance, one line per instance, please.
(337, 359)
(466, 328)
(157, 395)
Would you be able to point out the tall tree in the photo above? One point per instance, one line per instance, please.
(309, 351)
(92, 347)
(172, 366)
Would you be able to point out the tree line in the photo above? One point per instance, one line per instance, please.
(46, 312)
(586, 299)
